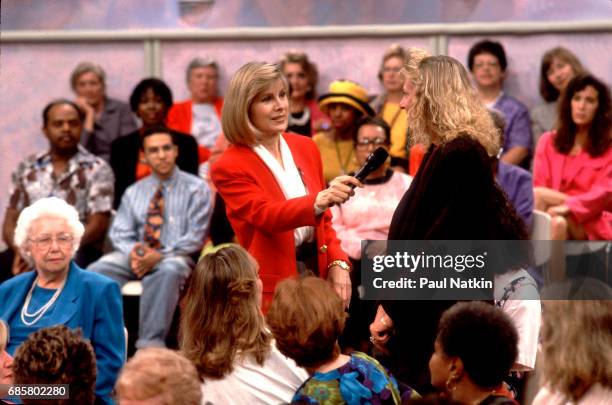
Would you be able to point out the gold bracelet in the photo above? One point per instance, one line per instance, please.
(340, 263)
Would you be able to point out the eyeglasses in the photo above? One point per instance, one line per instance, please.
(391, 69)
(45, 242)
(367, 142)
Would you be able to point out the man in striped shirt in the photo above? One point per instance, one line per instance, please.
(161, 222)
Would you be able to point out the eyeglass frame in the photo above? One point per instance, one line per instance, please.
(376, 142)
(62, 241)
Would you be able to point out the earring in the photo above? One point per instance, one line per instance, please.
(451, 384)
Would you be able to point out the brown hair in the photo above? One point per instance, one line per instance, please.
(577, 346)
(222, 317)
(547, 90)
(162, 374)
(310, 69)
(599, 139)
(57, 355)
(306, 318)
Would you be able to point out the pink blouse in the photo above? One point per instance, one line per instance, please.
(586, 180)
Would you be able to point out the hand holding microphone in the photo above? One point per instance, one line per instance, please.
(342, 187)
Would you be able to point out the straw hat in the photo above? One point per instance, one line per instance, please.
(349, 93)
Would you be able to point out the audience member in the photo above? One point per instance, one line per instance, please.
(67, 171)
(576, 353)
(58, 292)
(474, 350)
(514, 180)
(105, 119)
(573, 165)
(306, 319)
(345, 103)
(416, 150)
(57, 355)
(453, 197)
(158, 376)
(201, 114)
(379, 197)
(228, 341)
(162, 220)
(387, 105)
(559, 66)
(271, 182)
(305, 118)
(487, 62)
(6, 361)
(150, 101)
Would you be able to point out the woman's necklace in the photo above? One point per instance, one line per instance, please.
(42, 310)
(301, 120)
(343, 166)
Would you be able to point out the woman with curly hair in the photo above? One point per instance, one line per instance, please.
(576, 353)
(573, 165)
(223, 333)
(453, 196)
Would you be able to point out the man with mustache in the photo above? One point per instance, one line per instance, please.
(65, 170)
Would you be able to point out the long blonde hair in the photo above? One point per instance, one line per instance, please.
(222, 318)
(446, 104)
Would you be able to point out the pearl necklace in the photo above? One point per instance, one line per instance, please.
(42, 310)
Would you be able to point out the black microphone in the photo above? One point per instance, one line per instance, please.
(373, 162)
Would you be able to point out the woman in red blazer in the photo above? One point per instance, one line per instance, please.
(273, 187)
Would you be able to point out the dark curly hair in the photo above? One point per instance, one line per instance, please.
(159, 87)
(58, 355)
(494, 48)
(483, 337)
(306, 318)
(599, 139)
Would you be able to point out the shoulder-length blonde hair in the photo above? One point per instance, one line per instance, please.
(577, 346)
(246, 84)
(222, 318)
(446, 104)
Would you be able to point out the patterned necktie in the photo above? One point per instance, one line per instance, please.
(155, 219)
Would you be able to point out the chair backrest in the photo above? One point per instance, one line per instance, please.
(541, 231)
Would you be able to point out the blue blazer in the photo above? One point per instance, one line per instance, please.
(89, 301)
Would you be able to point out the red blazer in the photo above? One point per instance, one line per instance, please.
(180, 116)
(264, 220)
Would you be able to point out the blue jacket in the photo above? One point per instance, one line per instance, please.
(89, 301)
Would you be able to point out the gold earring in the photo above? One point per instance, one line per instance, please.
(451, 384)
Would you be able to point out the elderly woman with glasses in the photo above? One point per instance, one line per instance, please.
(59, 292)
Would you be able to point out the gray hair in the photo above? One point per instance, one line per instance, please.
(201, 62)
(86, 67)
(50, 207)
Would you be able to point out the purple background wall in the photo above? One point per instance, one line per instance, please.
(33, 73)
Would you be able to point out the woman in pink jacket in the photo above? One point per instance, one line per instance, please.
(573, 165)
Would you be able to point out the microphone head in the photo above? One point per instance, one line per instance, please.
(373, 162)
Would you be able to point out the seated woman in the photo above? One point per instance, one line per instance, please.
(377, 200)
(150, 101)
(223, 333)
(305, 118)
(576, 352)
(573, 165)
(345, 103)
(306, 319)
(474, 350)
(106, 119)
(559, 66)
(59, 292)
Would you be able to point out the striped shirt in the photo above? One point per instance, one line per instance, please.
(187, 213)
